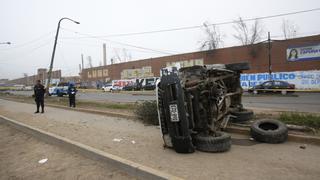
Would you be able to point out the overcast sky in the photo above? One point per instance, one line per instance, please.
(30, 26)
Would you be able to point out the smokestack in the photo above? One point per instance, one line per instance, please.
(104, 54)
(79, 68)
(82, 61)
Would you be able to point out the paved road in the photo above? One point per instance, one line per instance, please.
(20, 153)
(302, 102)
(246, 159)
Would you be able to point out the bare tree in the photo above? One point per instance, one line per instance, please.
(289, 29)
(213, 39)
(121, 55)
(126, 54)
(89, 59)
(248, 35)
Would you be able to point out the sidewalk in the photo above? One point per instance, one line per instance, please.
(143, 144)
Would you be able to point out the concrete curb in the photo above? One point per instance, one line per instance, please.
(291, 137)
(129, 167)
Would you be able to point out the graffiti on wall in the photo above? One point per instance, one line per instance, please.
(143, 72)
(185, 63)
(301, 79)
(98, 73)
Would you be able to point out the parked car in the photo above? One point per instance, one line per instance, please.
(149, 86)
(273, 87)
(110, 88)
(60, 89)
(149, 83)
(132, 87)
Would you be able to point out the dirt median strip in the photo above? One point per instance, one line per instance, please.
(130, 167)
(233, 129)
(291, 137)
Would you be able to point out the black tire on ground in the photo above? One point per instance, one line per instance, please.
(241, 116)
(219, 143)
(269, 131)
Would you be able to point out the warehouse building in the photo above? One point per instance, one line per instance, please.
(41, 75)
(284, 58)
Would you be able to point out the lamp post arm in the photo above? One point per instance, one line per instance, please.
(54, 50)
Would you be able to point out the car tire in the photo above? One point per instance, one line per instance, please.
(219, 143)
(269, 131)
(241, 116)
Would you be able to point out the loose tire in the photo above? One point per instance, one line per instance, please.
(269, 131)
(241, 116)
(219, 143)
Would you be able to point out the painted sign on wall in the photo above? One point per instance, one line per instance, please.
(303, 53)
(186, 63)
(301, 79)
(143, 72)
(98, 73)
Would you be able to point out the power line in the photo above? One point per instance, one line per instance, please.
(121, 43)
(200, 26)
(43, 36)
(30, 52)
(113, 47)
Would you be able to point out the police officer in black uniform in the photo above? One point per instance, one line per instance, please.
(72, 95)
(39, 92)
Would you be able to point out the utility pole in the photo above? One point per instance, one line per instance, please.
(269, 56)
(54, 50)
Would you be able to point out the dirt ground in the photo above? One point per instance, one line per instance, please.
(143, 144)
(20, 153)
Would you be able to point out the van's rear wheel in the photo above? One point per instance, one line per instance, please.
(241, 116)
(219, 143)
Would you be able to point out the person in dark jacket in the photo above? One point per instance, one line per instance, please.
(72, 95)
(39, 92)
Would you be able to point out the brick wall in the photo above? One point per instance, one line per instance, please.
(256, 55)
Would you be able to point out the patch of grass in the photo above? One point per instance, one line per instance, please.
(302, 119)
(146, 111)
(64, 101)
(125, 106)
(6, 88)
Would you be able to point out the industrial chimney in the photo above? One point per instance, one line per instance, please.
(104, 54)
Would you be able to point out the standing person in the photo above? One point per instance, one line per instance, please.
(39, 92)
(72, 95)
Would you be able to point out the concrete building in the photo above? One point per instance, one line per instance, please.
(42, 74)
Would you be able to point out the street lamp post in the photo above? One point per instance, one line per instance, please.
(54, 50)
